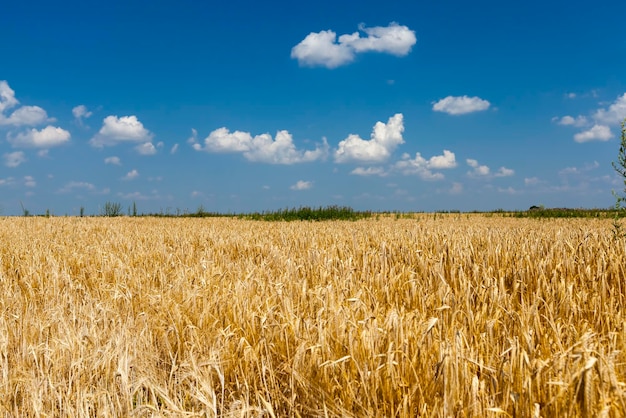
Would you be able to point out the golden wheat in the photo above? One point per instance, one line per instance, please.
(451, 316)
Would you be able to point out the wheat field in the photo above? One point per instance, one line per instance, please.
(433, 316)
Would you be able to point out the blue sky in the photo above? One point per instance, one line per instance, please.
(247, 106)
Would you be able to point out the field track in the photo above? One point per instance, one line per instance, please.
(438, 315)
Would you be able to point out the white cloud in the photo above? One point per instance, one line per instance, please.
(484, 171)
(117, 130)
(29, 181)
(7, 96)
(81, 112)
(302, 185)
(478, 170)
(393, 39)
(133, 174)
(459, 105)
(504, 172)
(531, 181)
(456, 188)
(422, 167)
(23, 116)
(615, 113)
(322, 48)
(13, 159)
(113, 160)
(77, 185)
(596, 133)
(570, 121)
(447, 160)
(369, 171)
(260, 148)
(9, 181)
(44, 138)
(508, 190)
(147, 148)
(579, 170)
(174, 149)
(384, 140)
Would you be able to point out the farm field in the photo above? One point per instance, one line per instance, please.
(434, 316)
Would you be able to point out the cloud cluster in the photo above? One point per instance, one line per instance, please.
(133, 174)
(595, 133)
(603, 119)
(81, 112)
(383, 141)
(126, 129)
(24, 115)
(460, 105)
(13, 159)
(369, 171)
(571, 121)
(113, 160)
(615, 114)
(302, 185)
(259, 148)
(325, 50)
(44, 138)
(484, 171)
(423, 167)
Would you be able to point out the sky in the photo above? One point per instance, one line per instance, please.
(246, 106)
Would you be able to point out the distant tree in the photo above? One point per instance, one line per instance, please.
(25, 212)
(620, 165)
(112, 209)
(620, 197)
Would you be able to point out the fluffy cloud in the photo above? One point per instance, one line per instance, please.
(77, 185)
(118, 130)
(478, 170)
(603, 118)
(324, 49)
(369, 171)
(422, 167)
(29, 181)
(81, 111)
(531, 181)
(504, 172)
(614, 115)
(384, 140)
(456, 188)
(147, 148)
(302, 185)
(133, 174)
(596, 133)
(113, 160)
(459, 105)
(23, 116)
(259, 148)
(13, 159)
(7, 96)
(484, 171)
(570, 121)
(576, 171)
(44, 138)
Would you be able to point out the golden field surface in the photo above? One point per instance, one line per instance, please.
(434, 316)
